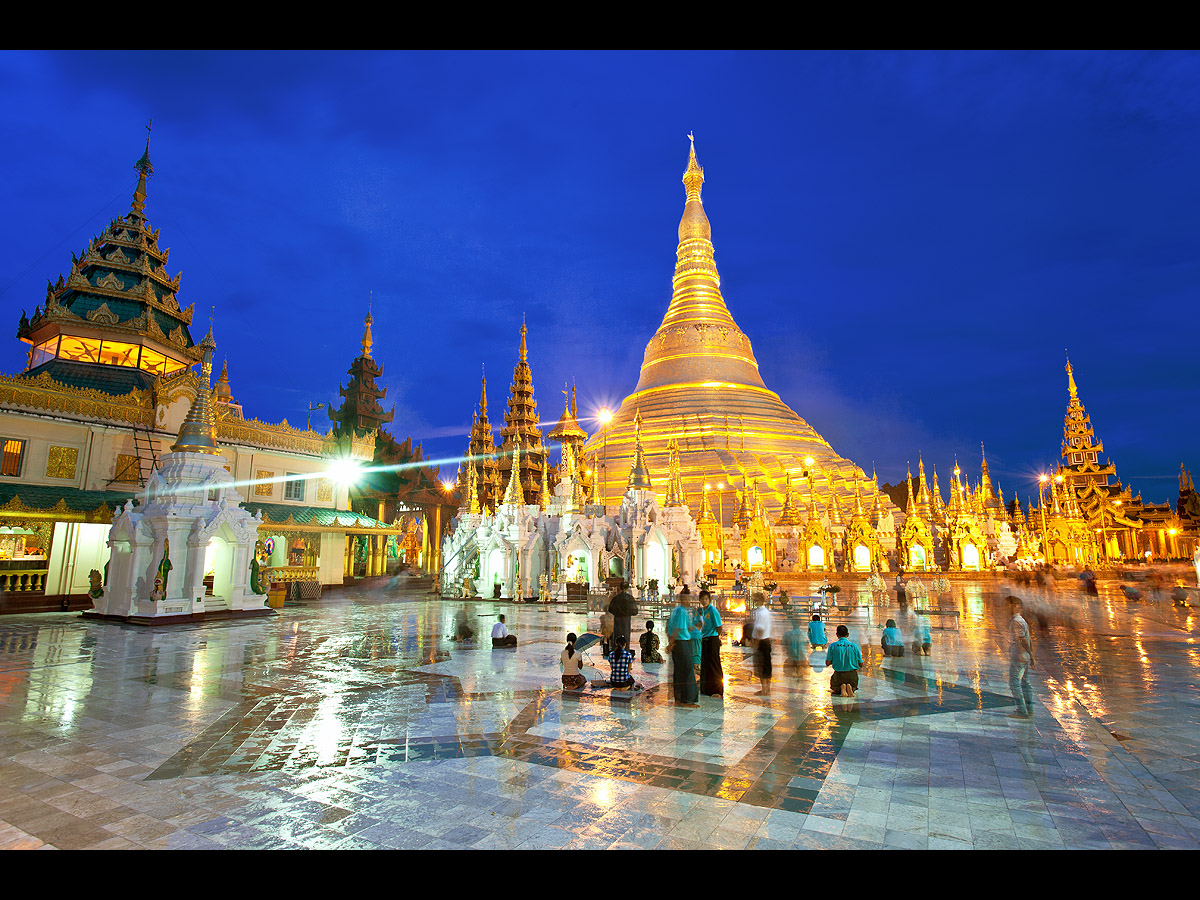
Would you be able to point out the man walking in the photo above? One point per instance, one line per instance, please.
(1020, 661)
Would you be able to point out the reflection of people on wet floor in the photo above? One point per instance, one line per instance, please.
(621, 660)
(845, 656)
(1020, 660)
(500, 635)
(572, 662)
(892, 641)
(762, 638)
(623, 609)
(712, 677)
(679, 645)
(649, 642)
(816, 633)
(462, 627)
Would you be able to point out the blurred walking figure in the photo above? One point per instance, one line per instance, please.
(793, 648)
(762, 638)
(712, 677)
(679, 647)
(922, 635)
(1020, 660)
(462, 627)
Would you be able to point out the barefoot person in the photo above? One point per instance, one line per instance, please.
(1020, 660)
(572, 678)
(762, 645)
(712, 677)
(679, 647)
(845, 656)
(501, 637)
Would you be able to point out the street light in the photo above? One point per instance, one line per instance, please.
(605, 415)
(311, 408)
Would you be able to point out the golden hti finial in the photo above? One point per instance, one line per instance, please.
(145, 170)
(693, 177)
(1071, 382)
(367, 340)
(524, 352)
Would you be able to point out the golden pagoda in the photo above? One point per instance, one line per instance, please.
(481, 448)
(700, 384)
(521, 437)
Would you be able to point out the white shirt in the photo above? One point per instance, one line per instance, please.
(499, 630)
(762, 624)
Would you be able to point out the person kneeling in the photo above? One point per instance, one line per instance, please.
(620, 659)
(501, 637)
(892, 642)
(846, 658)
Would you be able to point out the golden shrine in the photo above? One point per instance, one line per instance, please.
(700, 385)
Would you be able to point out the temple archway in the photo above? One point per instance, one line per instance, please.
(862, 558)
(916, 557)
(816, 557)
(970, 557)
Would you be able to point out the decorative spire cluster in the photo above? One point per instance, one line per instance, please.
(521, 438)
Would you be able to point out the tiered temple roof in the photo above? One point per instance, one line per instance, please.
(521, 438)
(360, 411)
(115, 323)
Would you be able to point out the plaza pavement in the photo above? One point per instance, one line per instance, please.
(353, 722)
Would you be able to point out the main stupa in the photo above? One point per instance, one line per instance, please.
(700, 386)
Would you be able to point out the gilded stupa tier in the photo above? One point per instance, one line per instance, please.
(700, 385)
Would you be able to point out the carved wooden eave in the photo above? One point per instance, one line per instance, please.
(43, 393)
(60, 512)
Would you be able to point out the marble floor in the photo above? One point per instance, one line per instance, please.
(353, 722)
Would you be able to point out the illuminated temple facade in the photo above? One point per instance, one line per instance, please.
(109, 383)
(700, 385)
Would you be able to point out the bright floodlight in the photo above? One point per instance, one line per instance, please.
(344, 471)
(605, 415)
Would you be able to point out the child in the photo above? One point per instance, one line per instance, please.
(649, 642)
(816, 633)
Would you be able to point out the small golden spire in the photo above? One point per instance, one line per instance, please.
(639, 474)
(1071, 382)
(198, 433)
(472, 487)
(513, 495)
(145, 170)
(367, 341)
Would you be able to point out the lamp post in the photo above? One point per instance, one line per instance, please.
(605, 416)
(311, 408)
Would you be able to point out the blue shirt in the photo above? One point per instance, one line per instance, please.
(892, 636)
(679, 625)
(792, 643)
(816, 633)
(709, 621)
(844, 655)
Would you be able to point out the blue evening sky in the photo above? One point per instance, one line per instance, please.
(910, 240)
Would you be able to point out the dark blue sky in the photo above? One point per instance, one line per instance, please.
(910, 240)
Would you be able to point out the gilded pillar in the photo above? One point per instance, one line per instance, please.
(348, 565)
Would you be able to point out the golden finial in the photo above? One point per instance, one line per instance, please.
(1071, 381)
(198, 433)
(523, 350)
(693, 177)
(367, 340)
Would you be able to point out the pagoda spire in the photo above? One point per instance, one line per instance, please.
(639, 473)
(513, 495)
(198, 433)
(836, 516)
(925, 504)
(367, 341)
(675, 495)
(145, 171)
(521, 427)
(472, 487)
(910, 509)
